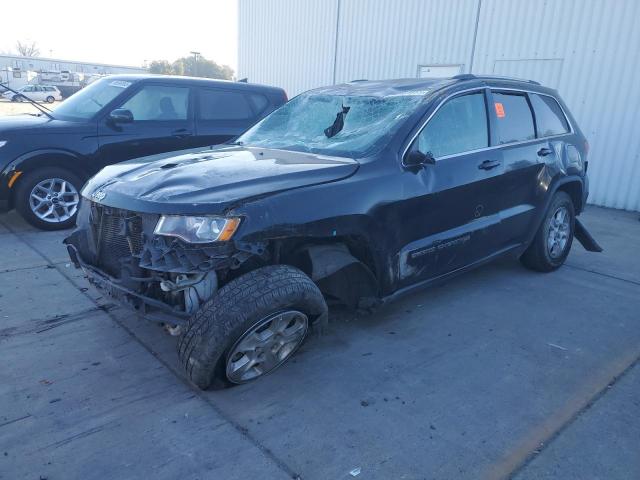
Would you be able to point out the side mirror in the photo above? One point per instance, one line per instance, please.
(415, 158)
(121, 115)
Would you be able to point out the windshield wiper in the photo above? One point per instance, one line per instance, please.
(42, 108)
(338, 123)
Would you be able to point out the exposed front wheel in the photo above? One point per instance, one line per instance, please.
(551, 245)
(48, 198)
(253, 325)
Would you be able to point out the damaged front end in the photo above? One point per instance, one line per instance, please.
(162, 278)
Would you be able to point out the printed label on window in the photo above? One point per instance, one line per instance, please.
(120, 84)
(499, 110)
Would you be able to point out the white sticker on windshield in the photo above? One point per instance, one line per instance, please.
(120, 84)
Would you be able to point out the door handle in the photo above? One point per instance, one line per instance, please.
(544, 151)
(489, 164)
(181, 133)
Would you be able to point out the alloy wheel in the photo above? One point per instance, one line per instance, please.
(266, 345)
(54, 200)
(558, 234)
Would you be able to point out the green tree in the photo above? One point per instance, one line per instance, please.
(189, 66)
(160, 66)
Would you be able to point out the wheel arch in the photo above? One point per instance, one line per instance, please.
(46, 158)
(574, 188)
(344, 268)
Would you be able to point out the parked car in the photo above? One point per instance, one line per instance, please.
(354, 193)
(45, 159)
(38, 93)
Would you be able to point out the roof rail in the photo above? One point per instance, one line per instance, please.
(470, 76)
(358, 80)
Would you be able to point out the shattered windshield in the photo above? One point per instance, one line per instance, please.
(340, 125)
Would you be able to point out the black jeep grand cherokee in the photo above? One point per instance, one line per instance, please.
(354, 193)
(46, 158)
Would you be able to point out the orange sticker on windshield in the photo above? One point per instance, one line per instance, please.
(499, 110)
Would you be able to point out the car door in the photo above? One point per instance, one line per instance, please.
(452, 214)
(525, 151)
(223, 114)
(161, 121)
(29, 92)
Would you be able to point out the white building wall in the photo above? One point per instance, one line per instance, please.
(57, 65)
(587, 49)
(390, 39)
(288, 43)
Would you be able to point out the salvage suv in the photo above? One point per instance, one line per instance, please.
(354, 193)
(46, 158)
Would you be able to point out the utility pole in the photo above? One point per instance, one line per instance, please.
(195, 62)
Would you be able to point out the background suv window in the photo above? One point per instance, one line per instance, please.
(159, 103)
(515, 122)
(223, 105)
(549, 117)
(460, 125)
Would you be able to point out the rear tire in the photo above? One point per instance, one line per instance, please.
(238, 310)
(552, 243)
(62, 216)
(50, 99)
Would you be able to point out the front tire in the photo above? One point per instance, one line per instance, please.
(250, 327)
(552, 243)
(48, 198)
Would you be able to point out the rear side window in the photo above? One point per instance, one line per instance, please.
(223, 105)
(515, 122)
(550, 119)
(460, 125)
(259, 102)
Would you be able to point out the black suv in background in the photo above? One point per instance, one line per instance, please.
(45, 159)
(356, 193)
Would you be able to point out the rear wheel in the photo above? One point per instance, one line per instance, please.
(50, 99)
(252, 326)
(552, 243)
(48, 198)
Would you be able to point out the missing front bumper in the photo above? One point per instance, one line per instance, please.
(146, 307)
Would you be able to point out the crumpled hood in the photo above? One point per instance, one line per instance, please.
(210, 181)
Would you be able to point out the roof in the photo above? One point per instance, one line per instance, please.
(193, 81)
(421, 86)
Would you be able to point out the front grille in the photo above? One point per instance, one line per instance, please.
(119, 237)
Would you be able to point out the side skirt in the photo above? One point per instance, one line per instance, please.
(513, 250)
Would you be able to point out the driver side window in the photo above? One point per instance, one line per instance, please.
(159, 103)
(460, 125)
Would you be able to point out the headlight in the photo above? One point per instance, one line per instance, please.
(197, 229)
(2, 143)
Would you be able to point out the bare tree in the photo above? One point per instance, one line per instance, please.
(27, 49)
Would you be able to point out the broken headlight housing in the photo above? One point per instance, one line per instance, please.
(197, 229)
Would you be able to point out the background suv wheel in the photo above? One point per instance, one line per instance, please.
(48, 198)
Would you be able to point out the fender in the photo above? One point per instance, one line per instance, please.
(20, 163)
(581, 234)
(22, 159)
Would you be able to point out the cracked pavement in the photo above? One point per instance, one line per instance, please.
(500, 373)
